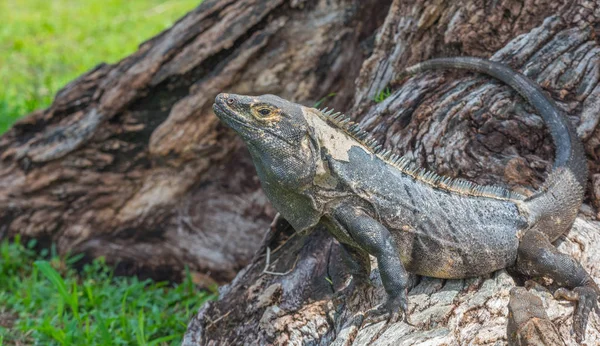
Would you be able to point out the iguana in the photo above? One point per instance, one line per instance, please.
(318, 167)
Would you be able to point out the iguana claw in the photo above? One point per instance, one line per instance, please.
(587, 300)
(391, 311)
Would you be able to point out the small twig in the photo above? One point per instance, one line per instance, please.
(280, 245)
(212, 323)
(268, 263)
(285, 242)
(186, 221)
(274, 221)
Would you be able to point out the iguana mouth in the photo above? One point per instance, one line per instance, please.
(221, 111)
(224, 111)
(228, 115)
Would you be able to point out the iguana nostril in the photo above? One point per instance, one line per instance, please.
(230, 101)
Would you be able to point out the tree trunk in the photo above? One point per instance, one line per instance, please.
(130, 163)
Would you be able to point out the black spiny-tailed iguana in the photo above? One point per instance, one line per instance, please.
(320, 168)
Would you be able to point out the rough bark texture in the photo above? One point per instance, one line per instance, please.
(130, 162)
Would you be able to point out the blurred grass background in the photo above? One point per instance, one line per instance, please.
(44, 44)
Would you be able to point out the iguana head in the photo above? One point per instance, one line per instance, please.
(284, 153)
(276, 133)
(263, 121)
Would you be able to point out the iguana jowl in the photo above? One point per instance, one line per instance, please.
(319, 168)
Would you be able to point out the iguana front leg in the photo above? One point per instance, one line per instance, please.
(537, 257)
(375, 239)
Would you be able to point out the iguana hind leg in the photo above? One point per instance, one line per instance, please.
(537, 257)
(375, 239)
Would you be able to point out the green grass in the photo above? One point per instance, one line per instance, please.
(46, 302)
(44, 44)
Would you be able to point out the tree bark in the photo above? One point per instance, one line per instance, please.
(129, 162)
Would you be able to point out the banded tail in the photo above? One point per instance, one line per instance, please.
(554, 206)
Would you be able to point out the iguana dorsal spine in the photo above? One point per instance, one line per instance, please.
(406, 166)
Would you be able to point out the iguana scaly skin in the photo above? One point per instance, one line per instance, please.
(320, 168)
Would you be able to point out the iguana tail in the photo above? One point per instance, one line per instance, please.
(554, 206)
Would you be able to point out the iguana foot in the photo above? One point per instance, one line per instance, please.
(391, 310)
(537, 257)
(587, 300)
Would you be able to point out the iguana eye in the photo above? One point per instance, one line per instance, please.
(264, 112)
